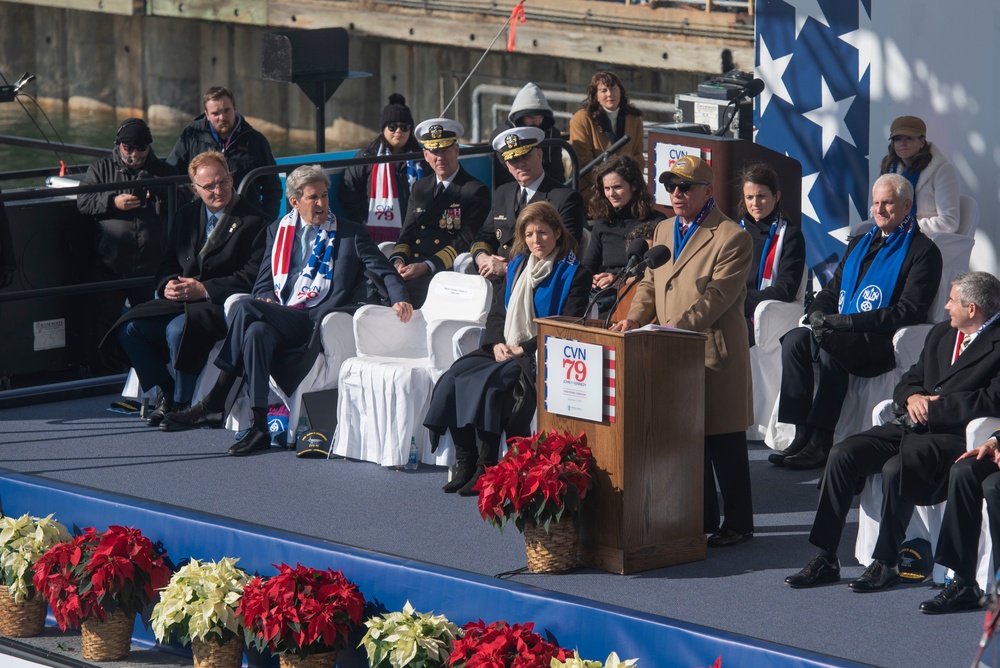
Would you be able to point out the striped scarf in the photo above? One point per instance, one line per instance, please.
(313, 281)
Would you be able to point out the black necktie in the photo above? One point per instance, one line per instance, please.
(438, 189)
(522, 201)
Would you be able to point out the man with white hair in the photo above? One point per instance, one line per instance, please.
(887, 279)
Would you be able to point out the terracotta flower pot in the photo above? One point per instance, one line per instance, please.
(21, 620)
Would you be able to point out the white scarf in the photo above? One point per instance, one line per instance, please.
(519, 325)
(313, 282)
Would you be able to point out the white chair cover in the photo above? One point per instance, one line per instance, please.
(385, 391)
(926, 521)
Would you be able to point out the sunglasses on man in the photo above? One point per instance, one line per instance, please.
(683, 188)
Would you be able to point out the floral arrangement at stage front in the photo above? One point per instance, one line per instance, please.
(200, 603)
(300, 611)
(97, 573)
(409, 639)
(611, 662)
(501, 645)
(540, 479)
(23, 540)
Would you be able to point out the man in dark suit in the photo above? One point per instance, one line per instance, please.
(887, 279)
(445, 212)
(518, 147)
(956, 379)
(215, 249)
(313, 263)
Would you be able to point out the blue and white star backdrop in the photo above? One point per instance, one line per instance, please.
(815, 107)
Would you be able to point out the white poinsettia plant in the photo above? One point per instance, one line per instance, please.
(612, 662)
(409, 639)
(199, 602)
(22, 541)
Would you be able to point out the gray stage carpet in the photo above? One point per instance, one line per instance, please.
(739, 589)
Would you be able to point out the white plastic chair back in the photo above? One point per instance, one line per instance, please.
(455, 296)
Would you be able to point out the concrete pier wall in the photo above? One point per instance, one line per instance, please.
(159, 67)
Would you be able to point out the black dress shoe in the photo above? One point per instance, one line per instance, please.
(255, 440)
(818, 571)
(195, 417)
(795, 447)
(878, 576)
(164, 404)
(725, 537)
(813, 456)
(464, 471)
(956, 596)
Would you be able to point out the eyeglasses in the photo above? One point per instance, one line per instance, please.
(682, 188)
(132, 148)
(213, 187)
(393, 127)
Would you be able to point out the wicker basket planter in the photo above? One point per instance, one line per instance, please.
(552, 552)
(214, 655)
(107, 640)
(21, 620)
(321, 660)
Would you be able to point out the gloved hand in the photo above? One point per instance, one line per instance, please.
(817, 321)
(839, 323)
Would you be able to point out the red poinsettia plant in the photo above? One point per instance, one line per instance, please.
(99, 572)
(541, 478)
(300, 611)
(502, 645)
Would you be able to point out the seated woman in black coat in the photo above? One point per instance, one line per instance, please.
(619, 203)
(779, 249)
(475, 398)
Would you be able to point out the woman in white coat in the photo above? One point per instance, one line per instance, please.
(934, 179)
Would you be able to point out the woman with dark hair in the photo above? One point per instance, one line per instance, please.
(475, 398)
(620, 201)
(377, 195)
(606, 115)
(779, 249)
(934, 179)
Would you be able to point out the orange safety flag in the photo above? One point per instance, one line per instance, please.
(516, 13)
(62, 168)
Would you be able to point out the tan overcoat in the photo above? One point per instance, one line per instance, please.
(703, 291)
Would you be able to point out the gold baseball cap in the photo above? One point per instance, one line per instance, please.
(689, 169)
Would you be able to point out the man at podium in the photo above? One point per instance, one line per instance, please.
(702, 288)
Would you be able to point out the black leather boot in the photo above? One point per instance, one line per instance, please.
(801, 440)
(489, 454)
(465, 459)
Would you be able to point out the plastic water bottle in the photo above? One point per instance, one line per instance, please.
(301, 430)
(411, 462)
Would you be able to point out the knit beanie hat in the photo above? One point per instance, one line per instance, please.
(134, 132)
(396, 111)
(529, 101)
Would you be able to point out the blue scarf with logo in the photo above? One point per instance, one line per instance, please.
(551, 293)
(874, 289)
(679, 241)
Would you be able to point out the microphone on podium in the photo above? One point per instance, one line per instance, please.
(634, 252)
(657, 256)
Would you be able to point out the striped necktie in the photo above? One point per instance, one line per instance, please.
(212, 220)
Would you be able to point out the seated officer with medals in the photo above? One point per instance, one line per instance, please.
(445, 212)
(518, 148)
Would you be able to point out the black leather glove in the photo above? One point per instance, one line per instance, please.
(839, 323)
(817, 321)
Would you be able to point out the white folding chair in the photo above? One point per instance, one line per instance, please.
(385, 391)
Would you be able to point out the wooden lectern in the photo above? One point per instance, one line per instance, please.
(645, 509)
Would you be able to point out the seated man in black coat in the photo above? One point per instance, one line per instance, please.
(520, 152)
(215, 249)
(887, 279)
(313, 263)
(956, 379)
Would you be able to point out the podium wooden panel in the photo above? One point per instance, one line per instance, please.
(646, 510)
